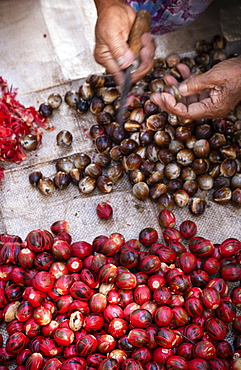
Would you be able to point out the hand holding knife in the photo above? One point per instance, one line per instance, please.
(141, 25)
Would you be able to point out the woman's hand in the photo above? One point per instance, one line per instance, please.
(212, 94)
(113, 26)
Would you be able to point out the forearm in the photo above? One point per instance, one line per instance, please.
(101, 4)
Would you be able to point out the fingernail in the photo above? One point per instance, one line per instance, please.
(183, 88)
(126, 60)
(121, 60)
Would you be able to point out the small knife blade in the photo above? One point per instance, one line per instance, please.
(141, 25)
(120, 117)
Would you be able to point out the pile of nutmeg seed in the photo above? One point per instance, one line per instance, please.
(171, 162)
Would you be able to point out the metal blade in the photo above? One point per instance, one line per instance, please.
(120, 116)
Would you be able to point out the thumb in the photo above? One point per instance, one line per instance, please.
(195, 85)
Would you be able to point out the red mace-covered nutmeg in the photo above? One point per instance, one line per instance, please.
(120, 305)
(104, 211)
(59, 227)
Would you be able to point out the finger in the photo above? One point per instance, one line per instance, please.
(146, 40)
(202, 109)
(104, 57)
(104, 53)
(165, 101)
(117, 41)
(192, 98)
(169, 104)
(198, 110)
(147, 53)
(196, 84)
(184, 70)
(207, 108)
(170, 80)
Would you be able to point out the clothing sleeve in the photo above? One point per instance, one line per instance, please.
(170, 15)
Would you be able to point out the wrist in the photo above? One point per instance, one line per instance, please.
(101, 4)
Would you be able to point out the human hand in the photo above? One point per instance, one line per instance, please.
(212, 94)
(113, 26)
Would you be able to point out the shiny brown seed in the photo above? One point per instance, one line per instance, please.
(75, 176)
(152, 152)
(104, 184)
(150, 108)
(64, 164)
(136, 176)
(71, 98)
(96, 131)
(156, 122)
(104, 118)
(166, 201)
(222, 195)
(34, 177)
(174, 90)
(93, 170)
(128, 146)
(172, 171)
(157, 85)
(109, 94)
(187, 173)
(197, 206)
(64, 138)
(96, 105)
(205, 181)
(137, 115)
(162, 138)
(165, 156)
(115, 173)
(181, 198)
(191, 187)
(221, 181)
(174, 185)
(201, 148)
(199, 166)
(46, 186)
(87, 185)
(103, 143)
(132, 126)
(81, 161)
(102, 159)
(228, 167)
(85, 91)
(55, 100)
(157, 190)
(115, 153)
(185, 157)
(131, 162)
(236, 198)
(141, 190)
(29, 142)
(175, 146)
(155, 177)
(146, 137)
(172, 59)
(236, 181)
(96, 80)
(61, 180)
